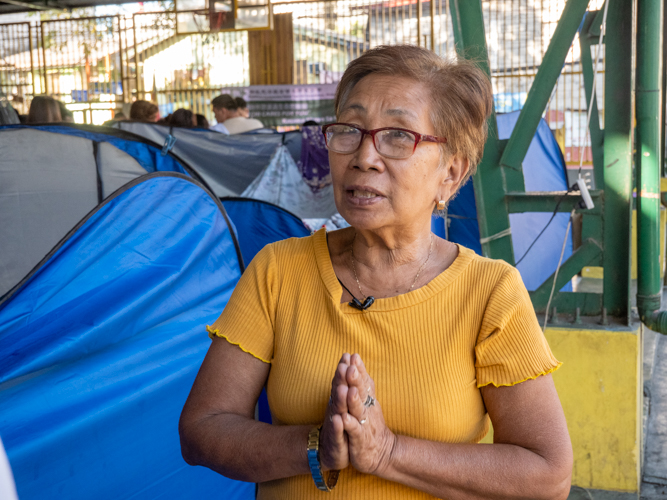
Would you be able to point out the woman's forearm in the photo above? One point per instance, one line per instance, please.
(245, 449)
(475, 471)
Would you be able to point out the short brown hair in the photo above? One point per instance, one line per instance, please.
(224, 101)
(461, 93)
(143, 110)
(44, 109)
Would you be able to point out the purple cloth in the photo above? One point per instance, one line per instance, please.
(314, 163)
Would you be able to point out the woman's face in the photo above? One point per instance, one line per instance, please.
(374, 192)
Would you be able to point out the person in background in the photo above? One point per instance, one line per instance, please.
(65, 113)
(202, 122)
(44, 109)
(241, 121)
(224, 107)
(242, 105)
(182, 118)
(144, 111)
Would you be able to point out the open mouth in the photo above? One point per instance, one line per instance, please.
(363, 196)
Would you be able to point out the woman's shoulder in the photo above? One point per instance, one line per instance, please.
(490, 271)
(289, 252)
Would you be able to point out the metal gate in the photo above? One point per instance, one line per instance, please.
(83, 64)
(20, 73)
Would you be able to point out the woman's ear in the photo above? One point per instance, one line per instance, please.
(456, 172)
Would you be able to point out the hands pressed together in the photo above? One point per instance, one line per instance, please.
(354, 433)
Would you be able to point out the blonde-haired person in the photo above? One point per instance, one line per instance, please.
(383, 348)
(44, 109)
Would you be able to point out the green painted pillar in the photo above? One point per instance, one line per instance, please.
(648, 159)
(617, 158)
(489, 180)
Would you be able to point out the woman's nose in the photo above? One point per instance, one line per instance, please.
(367, 156)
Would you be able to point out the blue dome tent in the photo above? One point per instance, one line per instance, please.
(101, 342)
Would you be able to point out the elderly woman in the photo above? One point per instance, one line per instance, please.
(442, 339)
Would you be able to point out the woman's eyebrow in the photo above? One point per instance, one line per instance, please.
(400, 112)
(355, 107)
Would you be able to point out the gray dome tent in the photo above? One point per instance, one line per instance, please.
(52, 176)
(228, 164)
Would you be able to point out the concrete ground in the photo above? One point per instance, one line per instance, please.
(654, 480)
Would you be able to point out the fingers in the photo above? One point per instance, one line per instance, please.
(339, 400)
(333, 444)
(352, 426)
(370, 442)
(339, 386)
(357, 376)
(355, 404)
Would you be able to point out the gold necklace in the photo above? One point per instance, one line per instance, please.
(354, 269)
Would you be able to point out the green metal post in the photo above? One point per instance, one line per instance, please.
(649, 117)
(618, 158)
(489, 180)
(545, 80)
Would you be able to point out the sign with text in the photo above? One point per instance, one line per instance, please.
(288, 105)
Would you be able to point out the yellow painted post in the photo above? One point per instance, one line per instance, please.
(600, 388)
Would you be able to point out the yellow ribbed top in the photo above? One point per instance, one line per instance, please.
(428, 350)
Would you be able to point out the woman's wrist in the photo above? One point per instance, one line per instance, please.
(324, 480)
(391, 453)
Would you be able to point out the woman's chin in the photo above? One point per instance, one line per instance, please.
(363, 219)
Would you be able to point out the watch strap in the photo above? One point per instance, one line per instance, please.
(323, 483)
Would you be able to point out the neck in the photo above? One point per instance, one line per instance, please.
(391, 249)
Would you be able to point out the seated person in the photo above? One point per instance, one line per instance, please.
(182, 118)
(242, 122)
(202, 122)
(44, 109)
(224, 107)
(144, 111)
(66, 115)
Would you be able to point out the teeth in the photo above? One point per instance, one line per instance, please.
(364, 194)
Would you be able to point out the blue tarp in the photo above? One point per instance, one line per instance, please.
(259, 223)
(543, 170)
(147, 155)
(100, 345)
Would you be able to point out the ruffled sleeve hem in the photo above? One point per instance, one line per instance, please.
(509, 379)
(214, 332)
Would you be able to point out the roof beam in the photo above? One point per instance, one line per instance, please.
(34, 6)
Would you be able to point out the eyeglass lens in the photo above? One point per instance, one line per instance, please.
(393, 143)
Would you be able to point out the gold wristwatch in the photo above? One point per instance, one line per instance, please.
(314, 463)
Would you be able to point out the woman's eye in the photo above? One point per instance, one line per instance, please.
(398, 134)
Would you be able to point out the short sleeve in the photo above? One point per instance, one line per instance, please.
(248, 320)
(511, 347)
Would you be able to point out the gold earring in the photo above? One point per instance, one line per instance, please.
(441, 205)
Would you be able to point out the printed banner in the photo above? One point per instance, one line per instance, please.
(288, 105)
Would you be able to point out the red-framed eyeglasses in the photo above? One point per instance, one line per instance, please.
(390, 142)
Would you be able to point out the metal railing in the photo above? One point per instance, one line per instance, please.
(145, 56)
